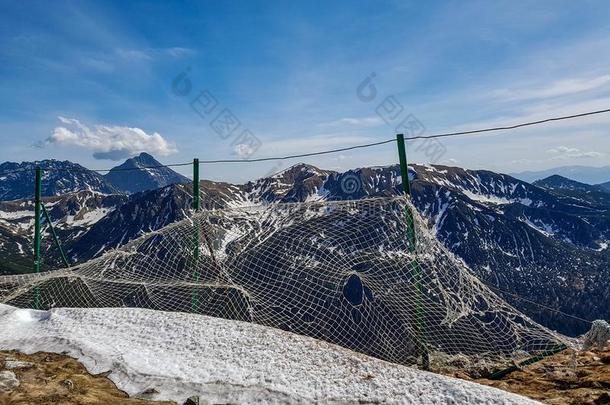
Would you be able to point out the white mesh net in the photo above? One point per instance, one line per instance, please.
(348, 272)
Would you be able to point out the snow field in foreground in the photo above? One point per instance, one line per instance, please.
(179, 355)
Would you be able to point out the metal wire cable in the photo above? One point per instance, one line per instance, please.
(296, 156)
(503, 128)
(441, 135)
(538, 305)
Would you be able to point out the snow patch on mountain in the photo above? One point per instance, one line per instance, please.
(543, 228)
(88, 218)
(489, 199)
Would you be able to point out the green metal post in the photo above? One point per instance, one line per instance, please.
(37, 204)
(55, 238)
(196, 201)
(402, 157)
(406, 186)
(196, 208)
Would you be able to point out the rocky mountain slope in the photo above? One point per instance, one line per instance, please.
(546, 244)
(73, 214)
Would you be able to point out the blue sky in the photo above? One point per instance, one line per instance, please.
(93, 81)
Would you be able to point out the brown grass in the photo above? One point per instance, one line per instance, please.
(566, 378)
(58, 379)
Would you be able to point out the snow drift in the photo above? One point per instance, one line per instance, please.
(172, 356)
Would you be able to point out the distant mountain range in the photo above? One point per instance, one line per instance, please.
(584, 174)
(547, 242)
(17, 179)
(63, 177)
(593, 194)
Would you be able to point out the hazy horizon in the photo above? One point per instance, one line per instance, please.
(569, 171)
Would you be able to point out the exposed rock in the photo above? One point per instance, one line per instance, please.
(602, 399)
(8, 381)
(16, 364)
(69, 384)
(147, 393)
(194, 400)
(598, 335)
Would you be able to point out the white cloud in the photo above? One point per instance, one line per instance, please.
(314, 143)
(562, 149)
(179, 52)
(149, 54)
(565, 152)
(133, 54)
(557, 88)
(244, 150)
(109, 142)
(356, 121)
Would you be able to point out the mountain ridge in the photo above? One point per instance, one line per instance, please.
(513, 235)
(141, 173)
(60, 177)
(562, 186)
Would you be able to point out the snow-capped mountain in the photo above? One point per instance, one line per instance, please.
(139, 214)
(17, 179)
(515, 236)
(149, 177)
(537, 242)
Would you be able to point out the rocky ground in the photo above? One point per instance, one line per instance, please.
(566, 378)
(46, 378)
